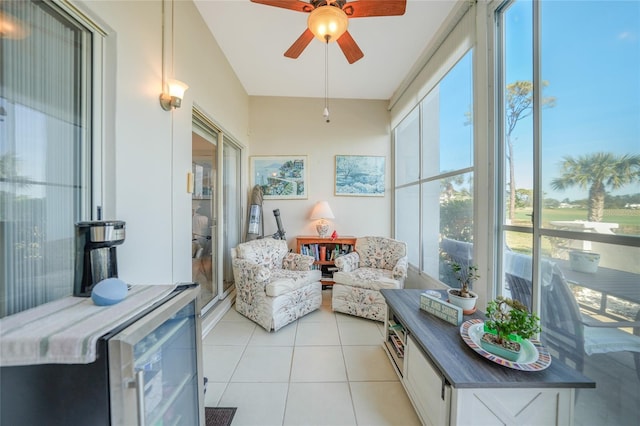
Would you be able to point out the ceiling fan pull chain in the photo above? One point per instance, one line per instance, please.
(325, 113)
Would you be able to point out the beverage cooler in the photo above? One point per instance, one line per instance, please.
(148, 371)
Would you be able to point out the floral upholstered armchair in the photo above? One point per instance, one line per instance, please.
(274, 287)
(375, 264)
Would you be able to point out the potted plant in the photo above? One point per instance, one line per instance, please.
(463, 296)
(508, 323)
(584, 261)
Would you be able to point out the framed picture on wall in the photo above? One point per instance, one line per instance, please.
(281, 177)
(360, 175)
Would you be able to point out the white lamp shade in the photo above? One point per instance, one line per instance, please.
(322, 211)
(327, 21)
(176, 88)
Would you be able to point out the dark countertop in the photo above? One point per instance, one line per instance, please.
(441, 342)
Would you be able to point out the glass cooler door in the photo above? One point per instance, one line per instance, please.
(159, 381)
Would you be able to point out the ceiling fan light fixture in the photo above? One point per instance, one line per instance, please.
(328, 21)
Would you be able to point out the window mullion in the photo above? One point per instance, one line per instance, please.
(537, 182)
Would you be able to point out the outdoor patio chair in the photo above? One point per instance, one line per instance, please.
(460, 252)
(565, 330)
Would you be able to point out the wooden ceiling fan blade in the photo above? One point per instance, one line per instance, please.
(297, 5)
(366, 8)
(350, 48)
(299, 45)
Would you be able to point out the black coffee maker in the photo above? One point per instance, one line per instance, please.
(96, 260)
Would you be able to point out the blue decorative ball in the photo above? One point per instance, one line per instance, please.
(109, 292)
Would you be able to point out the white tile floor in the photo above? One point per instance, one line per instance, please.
(324, 369)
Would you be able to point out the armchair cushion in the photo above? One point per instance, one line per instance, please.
(602, 340)
(380, 252)
(374, 279)
(267, 252)
(283, 281)
(297, 262)
(252, 272)
(400, 270)
(348, 262)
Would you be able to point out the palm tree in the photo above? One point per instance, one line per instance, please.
(519, 105)
(597, 172)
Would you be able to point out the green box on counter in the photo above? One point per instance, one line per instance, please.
(443, 310)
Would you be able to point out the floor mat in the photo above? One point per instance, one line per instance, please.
(219, 416)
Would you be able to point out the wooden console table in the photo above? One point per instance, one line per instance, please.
(450, 384)
(329, 245)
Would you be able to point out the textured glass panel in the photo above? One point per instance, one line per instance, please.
(452, 229)
(455, 117)
(44, 156)
(408, 220)
(407, 155)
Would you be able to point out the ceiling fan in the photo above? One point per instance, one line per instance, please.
(328, 21)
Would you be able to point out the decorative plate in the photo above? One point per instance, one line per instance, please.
(533, 356)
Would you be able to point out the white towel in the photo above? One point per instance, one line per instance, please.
(66, 331)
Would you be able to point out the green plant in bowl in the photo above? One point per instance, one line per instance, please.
(508, 320)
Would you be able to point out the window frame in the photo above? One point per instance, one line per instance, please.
(91, 62)
(537, 231)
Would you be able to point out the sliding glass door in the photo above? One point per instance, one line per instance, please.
(231, 213)
(216, 208)
(204, 210)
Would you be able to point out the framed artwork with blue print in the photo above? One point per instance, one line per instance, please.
(360, 175)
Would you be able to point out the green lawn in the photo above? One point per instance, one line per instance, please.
(628, 223)
(625, 218)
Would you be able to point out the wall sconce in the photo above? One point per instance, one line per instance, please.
(173, 99)
(322, 211)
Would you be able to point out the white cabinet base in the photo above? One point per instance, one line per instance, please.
(512, 406)
(438, 403)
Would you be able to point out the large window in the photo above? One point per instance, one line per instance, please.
(45, 150)
(434, 175)
(569, 104)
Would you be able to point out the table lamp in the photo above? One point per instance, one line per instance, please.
(321, 211)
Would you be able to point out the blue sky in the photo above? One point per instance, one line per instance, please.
(591, 60)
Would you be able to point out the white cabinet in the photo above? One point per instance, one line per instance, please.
(437, 403)
(450, 385)
(426, 387)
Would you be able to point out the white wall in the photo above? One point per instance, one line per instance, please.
(145, 178)
(284, 126)
(150, 149)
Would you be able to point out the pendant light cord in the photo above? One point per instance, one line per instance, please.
(326, 79)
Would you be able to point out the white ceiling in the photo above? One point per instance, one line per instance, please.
(254, 38)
